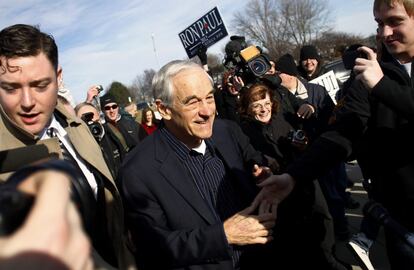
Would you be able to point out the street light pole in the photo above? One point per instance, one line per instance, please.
(155, 50)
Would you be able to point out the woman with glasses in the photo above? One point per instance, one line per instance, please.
(266, 126)
(300, 235)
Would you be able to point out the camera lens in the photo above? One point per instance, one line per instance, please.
(300, 135)
(258, 66)
(96, 129)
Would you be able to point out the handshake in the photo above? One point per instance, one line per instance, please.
(254, 224)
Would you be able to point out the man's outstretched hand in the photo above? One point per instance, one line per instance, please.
(275, 189)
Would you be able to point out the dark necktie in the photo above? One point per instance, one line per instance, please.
(52, 133)
(412, 74)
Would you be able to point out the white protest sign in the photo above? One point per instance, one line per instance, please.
(328, 80)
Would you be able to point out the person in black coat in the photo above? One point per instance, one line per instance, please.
(314, 94)
(310, 63)
(375, 123)
(125, 128)
(334, 183)
(111, 147)
(227, 98)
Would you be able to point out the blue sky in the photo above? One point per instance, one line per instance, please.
(101, 41)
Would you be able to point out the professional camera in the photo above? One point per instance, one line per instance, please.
(95, 127)
(248, 61)
(297, 136)
(351, 54)
(15, 205)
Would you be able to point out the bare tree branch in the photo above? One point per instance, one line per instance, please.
(279, 25)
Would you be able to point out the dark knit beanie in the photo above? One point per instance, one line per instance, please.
(309, 52)
(106, 99)
(286, 64)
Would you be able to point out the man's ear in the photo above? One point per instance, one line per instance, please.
(59, 76)
(164, 111)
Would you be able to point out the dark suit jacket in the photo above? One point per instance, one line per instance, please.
(170, 223)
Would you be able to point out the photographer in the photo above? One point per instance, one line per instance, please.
(227, 99)
(374, 122)
(111, 147)
(52, 236)
(248, 65)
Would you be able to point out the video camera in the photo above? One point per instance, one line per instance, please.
(15, 205)
(248, 62)
(95, 127)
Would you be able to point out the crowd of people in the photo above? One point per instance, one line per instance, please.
(249, 174)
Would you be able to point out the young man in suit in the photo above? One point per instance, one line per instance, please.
(30, 114)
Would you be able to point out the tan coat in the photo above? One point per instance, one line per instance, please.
(12, 136)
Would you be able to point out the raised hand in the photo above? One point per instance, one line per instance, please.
(368, 71)
(305, 111)
(260, 173)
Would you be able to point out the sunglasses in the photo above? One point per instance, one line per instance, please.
(113, 107)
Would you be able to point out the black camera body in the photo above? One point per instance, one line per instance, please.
(248, 62)
(95, 127)
(297, 136)
(15, 205)
(350, 56)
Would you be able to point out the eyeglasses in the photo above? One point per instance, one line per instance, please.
(113, 107)
(259, 107)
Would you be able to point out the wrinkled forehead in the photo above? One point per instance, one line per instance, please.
(190, 80)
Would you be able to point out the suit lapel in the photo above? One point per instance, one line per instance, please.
(180, 179)
(222, 146)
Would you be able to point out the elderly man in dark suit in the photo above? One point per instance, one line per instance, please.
(189, 187)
